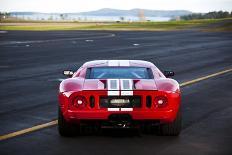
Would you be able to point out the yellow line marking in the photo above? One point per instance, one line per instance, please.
(24, 131)
(204, 77)
(52, 123)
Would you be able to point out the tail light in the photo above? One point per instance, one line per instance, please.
(161, 101)
(80, 102)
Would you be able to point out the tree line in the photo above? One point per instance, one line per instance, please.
(4, 15)
(209, 15)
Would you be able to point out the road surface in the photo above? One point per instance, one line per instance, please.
(31, 65)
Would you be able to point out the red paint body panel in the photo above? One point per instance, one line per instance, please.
(166, 114)
(159, 86)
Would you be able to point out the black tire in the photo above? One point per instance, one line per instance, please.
(65, 128)
(171, 129)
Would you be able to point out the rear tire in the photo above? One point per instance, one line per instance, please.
(65, 128)
(171, 129)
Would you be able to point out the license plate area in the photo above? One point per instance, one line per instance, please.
(120, 101)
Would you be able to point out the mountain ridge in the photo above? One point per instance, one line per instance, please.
(118, 12)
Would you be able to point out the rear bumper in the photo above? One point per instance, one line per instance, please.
(165, 116)
(143, 113)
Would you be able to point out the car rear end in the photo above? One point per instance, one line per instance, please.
(120, 97)
(142, 105)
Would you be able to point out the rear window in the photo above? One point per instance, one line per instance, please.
(119, 73)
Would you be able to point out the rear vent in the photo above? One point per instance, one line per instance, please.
(148, 101)
(92, 101)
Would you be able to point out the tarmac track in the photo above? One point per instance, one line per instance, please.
(31, 65)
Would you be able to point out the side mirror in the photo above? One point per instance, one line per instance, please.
(169, 73)
(68, 73)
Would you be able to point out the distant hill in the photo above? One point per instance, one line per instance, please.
(116, 12)
(134, 12)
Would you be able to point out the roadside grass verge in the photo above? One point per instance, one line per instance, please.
(221, 25)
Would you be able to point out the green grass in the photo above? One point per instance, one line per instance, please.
(148, 26)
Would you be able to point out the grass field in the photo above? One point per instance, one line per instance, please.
(210, 24)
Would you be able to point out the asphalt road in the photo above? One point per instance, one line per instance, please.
(31, 65)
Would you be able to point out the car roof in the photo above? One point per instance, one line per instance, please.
(117, 63)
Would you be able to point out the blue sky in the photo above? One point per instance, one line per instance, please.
(89, 5)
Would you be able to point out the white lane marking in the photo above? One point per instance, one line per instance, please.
(101, 36)
(27, 45)
(89, 40)
(113, 63)
(3, 31)
(113, 93)
(113, 109)
(60, 79)
(126, 109)
(124, 63)
(136, 44)
(56, 80)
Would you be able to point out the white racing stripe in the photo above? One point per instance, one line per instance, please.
(113, 93)
(113, 63)
(113, 87)
(126, 87)
(126, 84)
(113, 109)
(127, 93)
(113, 84)
(118, 63)
(124, 63)
(126, 109)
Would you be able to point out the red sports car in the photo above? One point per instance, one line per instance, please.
(120, 94)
